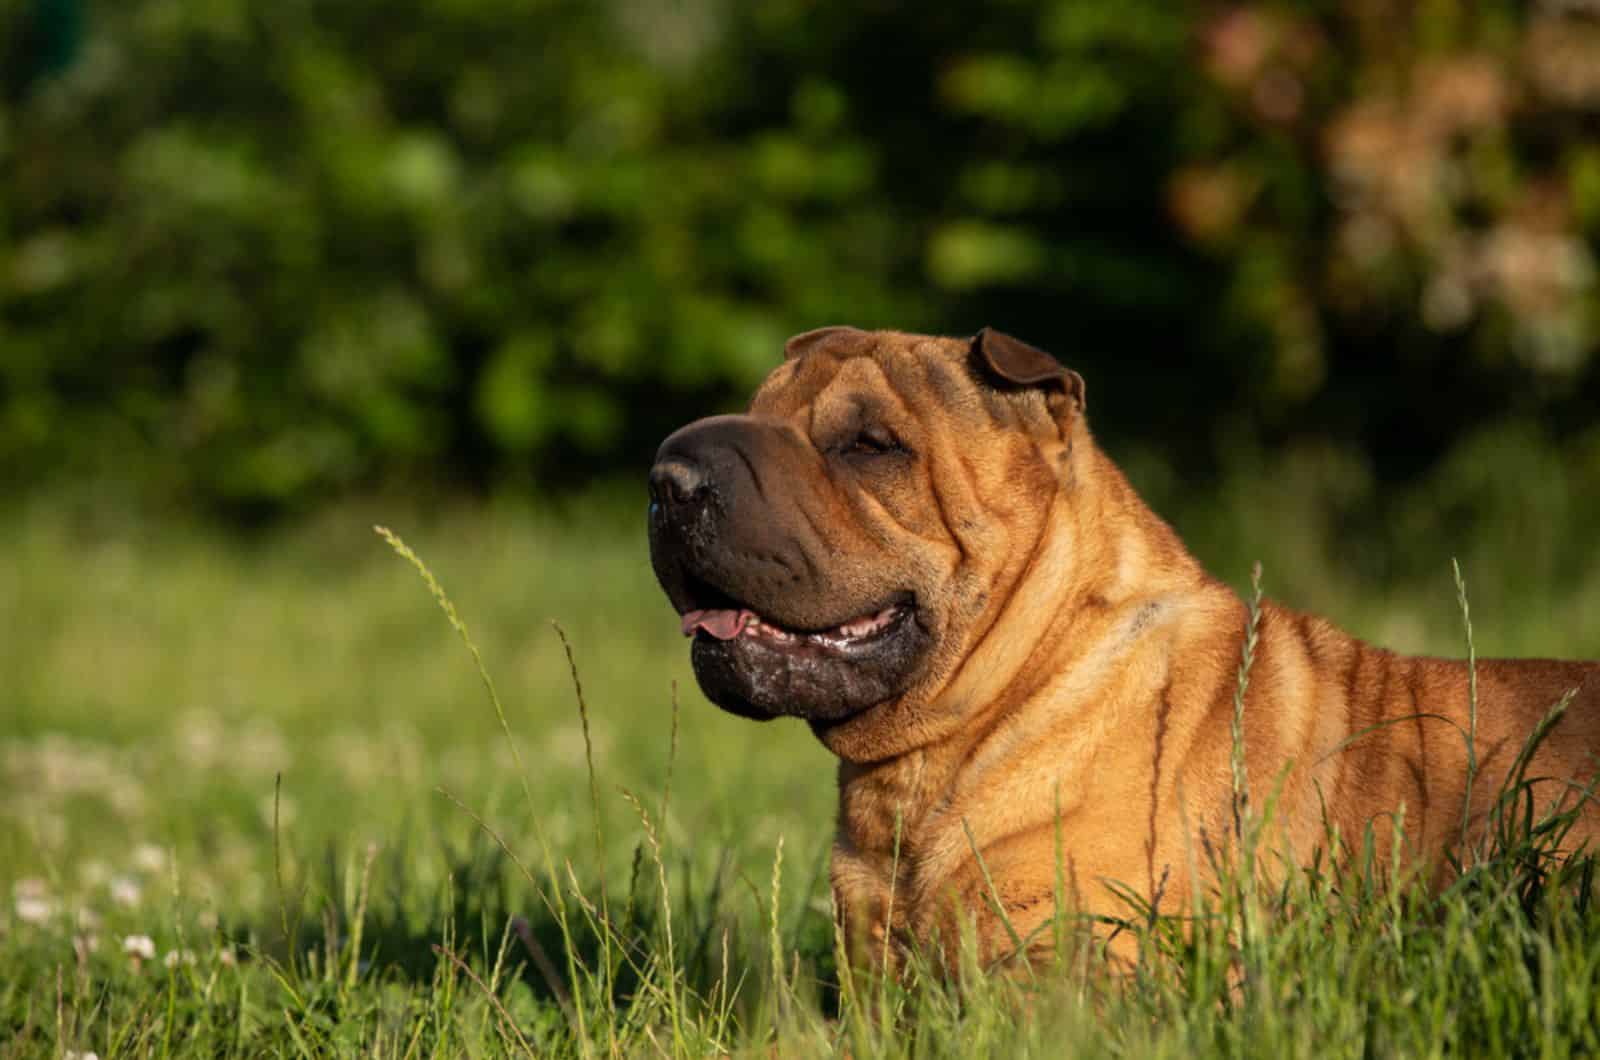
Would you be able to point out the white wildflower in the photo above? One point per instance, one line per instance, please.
(147, 857)
(125, 892)
(30, 887)
(34, 910)
(140, 947)
(173, 957)
(33, 902)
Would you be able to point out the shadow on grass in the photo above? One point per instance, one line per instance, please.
(402, 929)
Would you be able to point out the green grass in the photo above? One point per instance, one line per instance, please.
(166, 693)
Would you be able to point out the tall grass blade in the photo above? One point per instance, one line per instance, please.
(1241, 775)
(779, 982)
(673, 993)
(404, 552)
(1472, 702)
(448, 607)
(1017, 944)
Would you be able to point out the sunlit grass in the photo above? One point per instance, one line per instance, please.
(157, 681)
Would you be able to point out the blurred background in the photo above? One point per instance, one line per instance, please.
(272, 272)
(256, 257)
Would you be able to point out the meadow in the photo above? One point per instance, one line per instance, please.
(256, 799)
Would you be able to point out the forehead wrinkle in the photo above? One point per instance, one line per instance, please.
(854, 378)
(952, 390)
(901, 386)
(902, 402)
(791, 386)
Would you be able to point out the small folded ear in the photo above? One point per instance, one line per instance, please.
(1014, 361)
(809, 340)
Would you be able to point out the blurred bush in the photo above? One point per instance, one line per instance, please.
(252, 254)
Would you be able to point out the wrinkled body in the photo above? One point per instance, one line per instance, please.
(1119, 718)
(1047, 690)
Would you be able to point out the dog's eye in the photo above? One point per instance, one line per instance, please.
(872, 441)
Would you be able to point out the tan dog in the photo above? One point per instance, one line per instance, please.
(915, 544)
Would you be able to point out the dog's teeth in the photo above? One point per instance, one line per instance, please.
(762, 628)
(840, 636)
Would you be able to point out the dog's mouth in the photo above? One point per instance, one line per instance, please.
(751, 663)
(735, 622)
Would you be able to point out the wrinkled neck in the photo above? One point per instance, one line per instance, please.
(1100, 556)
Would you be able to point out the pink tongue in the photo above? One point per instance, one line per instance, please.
(724, 624)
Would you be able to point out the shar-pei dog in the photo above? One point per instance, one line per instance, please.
(915, 544)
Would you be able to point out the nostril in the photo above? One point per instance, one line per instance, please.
(675, 482)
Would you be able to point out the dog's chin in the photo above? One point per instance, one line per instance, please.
(765, 674)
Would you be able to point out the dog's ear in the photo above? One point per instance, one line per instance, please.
(1014, 361)
(810, 340)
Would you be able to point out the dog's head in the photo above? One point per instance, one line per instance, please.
(845, 543)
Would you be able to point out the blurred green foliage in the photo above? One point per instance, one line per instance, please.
(255, 254)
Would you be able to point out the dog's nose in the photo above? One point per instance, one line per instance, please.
(677, 482)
